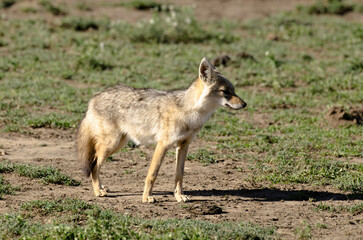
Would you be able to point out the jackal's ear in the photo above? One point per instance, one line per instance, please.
(206, 72)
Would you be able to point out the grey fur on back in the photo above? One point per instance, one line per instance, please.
(118, 100)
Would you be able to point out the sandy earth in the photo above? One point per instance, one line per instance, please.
(218, 192)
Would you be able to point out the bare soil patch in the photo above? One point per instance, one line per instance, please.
(339, 116)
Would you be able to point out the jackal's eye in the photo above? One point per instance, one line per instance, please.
(224, 92)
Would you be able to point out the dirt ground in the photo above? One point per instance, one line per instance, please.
(218, 192)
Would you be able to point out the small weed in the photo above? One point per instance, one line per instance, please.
(83, 6)
(99, 64)
(338, 7)
(6, 188)
(47, 174)
(3, 43)
(355, 66)
(321, 226)
(145, 5)
(358, 7)
(50, 121)
(304, 232)
(110, 159)
(30, 10)
(81, 24)
(202, 155)
(307, 58)
(175, 27)
(53, 9)
(60, 206)
(68, 75)
(129, 171)
(355, 209)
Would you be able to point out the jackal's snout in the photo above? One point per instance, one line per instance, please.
(236, 103)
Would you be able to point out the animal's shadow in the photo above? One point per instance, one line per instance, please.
(271, 195)
(263, 195)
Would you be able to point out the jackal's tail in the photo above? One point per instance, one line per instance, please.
(86, 148)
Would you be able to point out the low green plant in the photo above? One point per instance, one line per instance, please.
(58, 206)
(30, 10)
(53, 9)
(83, 6)
(47, 174)
(81, 24)
(339, 7)
(304, 232)
(50, 121)
(6, 188)
(175, 27)
(321, 226)
(145, 5)
(354, 66)
(202, 155)
(355, 209)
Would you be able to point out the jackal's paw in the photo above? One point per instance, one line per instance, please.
(104, 188)
(148, 199)
(181, 197)
(101, 193)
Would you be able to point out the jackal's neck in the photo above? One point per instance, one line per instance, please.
(196, 97)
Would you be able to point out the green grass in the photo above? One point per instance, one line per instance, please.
(339, 7)
(53, 9)
(46, 174)
(304, 232)
(145, 5)
(355, 209)
(176, 27)
(6, 188)
(203, 156)
(72, 219)
(81, 24)
(83, 6)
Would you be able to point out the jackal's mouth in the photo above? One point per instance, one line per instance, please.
(227, 105)
(238, 108)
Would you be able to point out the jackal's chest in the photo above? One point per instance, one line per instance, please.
(187, 127)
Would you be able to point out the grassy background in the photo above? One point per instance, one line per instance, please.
(302, 63)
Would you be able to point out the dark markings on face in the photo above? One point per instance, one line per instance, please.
(223, 88)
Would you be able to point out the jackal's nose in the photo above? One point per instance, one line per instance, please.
(244, 105)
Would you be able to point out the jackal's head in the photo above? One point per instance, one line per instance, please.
(220, 88)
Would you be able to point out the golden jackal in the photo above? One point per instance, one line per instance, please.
(148, 116)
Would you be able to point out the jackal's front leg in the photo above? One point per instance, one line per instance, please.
(154, 168)
(181, 153)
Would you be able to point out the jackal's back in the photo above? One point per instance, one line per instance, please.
(138, 113)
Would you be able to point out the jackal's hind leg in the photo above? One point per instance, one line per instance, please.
(102, 152)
